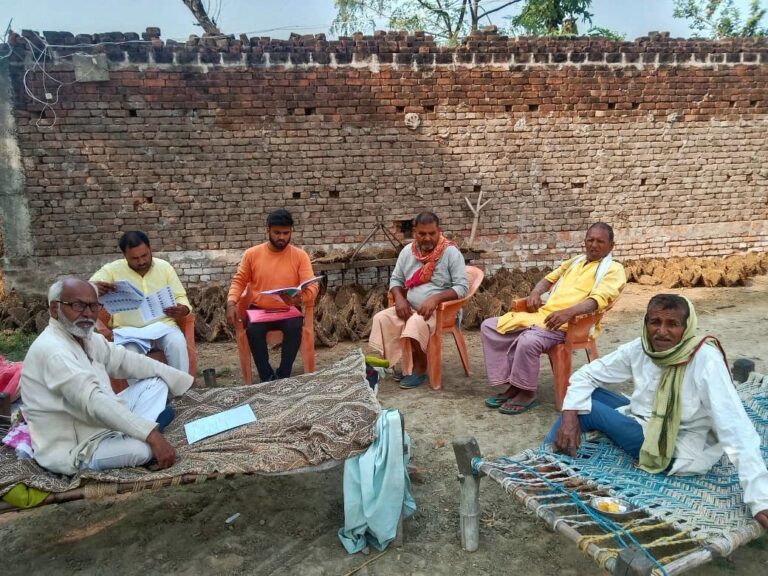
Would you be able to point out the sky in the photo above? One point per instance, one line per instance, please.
(277, 18)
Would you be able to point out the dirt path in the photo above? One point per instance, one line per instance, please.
(288, 524)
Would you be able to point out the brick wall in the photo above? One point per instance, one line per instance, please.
(194, 143)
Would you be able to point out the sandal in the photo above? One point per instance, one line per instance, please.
(513, 407)
(500, 398)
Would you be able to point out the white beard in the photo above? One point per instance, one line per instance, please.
(74, 329)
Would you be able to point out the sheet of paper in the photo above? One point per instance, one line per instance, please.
(217, 423)
(153, 305)
(125, 297)
(151, 332)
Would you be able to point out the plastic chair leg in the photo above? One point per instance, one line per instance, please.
(307, 350)
(244, 352)
(435, 361)
(591, 350)
(461, 346)
(560, 359)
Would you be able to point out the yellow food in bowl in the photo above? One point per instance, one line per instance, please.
(611, 507)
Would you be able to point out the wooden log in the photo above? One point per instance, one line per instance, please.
(465, 449)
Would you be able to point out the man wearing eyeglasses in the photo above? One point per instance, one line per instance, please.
(75, 419)
(148, 274)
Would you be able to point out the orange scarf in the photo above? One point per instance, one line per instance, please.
(429, 261)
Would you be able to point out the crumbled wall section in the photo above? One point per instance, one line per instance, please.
(196, 142)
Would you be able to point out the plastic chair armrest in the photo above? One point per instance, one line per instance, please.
(580, 326)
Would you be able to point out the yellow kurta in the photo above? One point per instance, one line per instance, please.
(577, 285)
(160, 275)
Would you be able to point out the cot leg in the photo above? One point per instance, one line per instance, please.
(465, 448)
(632, 562)
(398, 541)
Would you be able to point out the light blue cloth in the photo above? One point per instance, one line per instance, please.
(376, 488)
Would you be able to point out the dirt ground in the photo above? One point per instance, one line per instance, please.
(288, 524)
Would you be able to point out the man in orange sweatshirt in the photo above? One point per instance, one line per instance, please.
(268, 266)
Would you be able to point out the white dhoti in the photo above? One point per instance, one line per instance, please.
(145, 398)
(391, 336)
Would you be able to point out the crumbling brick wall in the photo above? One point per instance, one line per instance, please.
(194, 143)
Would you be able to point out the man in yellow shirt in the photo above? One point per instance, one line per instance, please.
(513, 343)
(148, 274)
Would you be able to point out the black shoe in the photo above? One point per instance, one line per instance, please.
(165, 417)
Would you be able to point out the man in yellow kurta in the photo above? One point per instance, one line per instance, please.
(513, 343)
(148, 274)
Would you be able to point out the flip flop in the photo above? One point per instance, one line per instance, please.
(500, 398)
(496, 401)
(512, 407)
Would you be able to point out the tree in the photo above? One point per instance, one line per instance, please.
(722, 18)
(446, 20)
(551, 17)
(201, 15)
(450, 20)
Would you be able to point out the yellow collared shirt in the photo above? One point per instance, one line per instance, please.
(160, 275)
(578, 284)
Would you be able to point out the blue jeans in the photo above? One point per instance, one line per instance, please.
(623, 431)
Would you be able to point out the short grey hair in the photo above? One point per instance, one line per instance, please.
(54, 292)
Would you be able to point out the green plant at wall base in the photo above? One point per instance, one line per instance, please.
(722, 18)
(14, 344)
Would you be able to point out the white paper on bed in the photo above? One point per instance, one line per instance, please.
(217, 423)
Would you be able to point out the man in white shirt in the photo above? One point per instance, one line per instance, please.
(684, 412)
(75, 419)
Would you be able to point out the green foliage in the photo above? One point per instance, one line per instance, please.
(450, 20)
(14, 344)
(600, 32)
(722, 18)
(551, 17)
(447, 20)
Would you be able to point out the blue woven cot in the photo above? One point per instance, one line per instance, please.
(683, 521)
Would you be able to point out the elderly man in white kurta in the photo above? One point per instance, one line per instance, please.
(684, 412)
(75, 419)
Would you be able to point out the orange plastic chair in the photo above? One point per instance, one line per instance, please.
(186, 325)
(307, 347)
(446, 322)
(577, 337)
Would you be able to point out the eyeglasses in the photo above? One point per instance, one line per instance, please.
(81, 306)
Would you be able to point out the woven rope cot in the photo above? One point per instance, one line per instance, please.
(681, 521)
(307, 423)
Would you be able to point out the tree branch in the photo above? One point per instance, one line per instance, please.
(198, 10)
(487, 12)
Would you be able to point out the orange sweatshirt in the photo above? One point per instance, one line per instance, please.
(263, 269)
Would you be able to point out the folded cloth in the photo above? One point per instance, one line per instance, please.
(10, 374)
(377, 490)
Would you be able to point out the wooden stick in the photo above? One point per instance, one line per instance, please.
(465, 449)
(476, 212)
